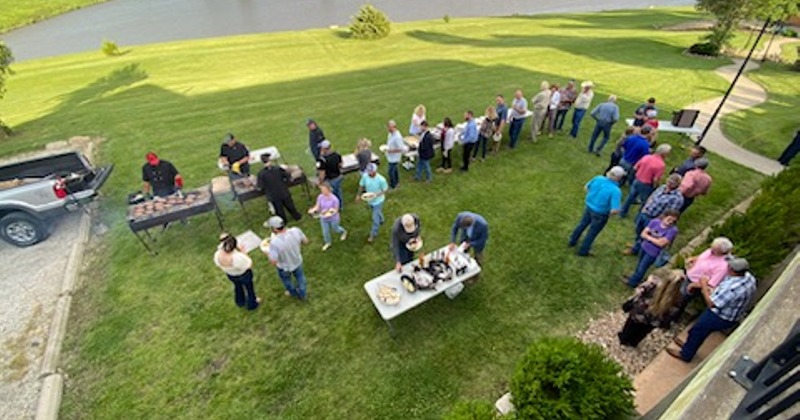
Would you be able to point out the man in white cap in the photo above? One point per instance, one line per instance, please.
(603, 197)
(405, 228)
(374, 183)
(329, 169)
(726, 305)
(285, 255)
(582, 103)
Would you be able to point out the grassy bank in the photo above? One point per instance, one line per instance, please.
(17, 13)
(160, 337)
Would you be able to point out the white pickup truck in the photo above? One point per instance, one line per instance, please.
(36, 191)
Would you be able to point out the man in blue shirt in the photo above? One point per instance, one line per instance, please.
(603, 198)
(474, 233)
(394, 153)
(375, 183)
(726, 305)
(517, 115)
(634, 148)
(605, 116)
(468, 139)
(502, 112)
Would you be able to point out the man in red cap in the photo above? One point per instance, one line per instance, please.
(160, 177)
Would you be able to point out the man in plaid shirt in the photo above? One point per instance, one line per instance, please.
(726, 305)
(666, 197)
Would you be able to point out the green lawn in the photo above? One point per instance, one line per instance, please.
(161, 338)
(18, 13)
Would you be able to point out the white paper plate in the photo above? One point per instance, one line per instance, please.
(414, 246)
(367, 196)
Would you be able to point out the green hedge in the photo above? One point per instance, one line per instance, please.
(770, 228)
(472, 410)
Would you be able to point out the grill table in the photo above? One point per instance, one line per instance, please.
(204, 204)
(408, 300)
(245, 189)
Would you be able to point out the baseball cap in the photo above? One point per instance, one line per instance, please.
(152, 158)
(274, 222)
(325, 144)
(372, 167)
(617, 171)
(409, 225)
(228, 138)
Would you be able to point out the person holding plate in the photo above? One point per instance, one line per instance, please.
(373, 186)
(328, 208)
(405, 239)
(474, 233)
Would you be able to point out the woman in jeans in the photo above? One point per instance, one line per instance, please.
(655, 304)
(656, 237)
(232, 260)
(485, 132)
(448, 142)
(328, 208)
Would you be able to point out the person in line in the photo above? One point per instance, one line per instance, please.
(363, 154)
(425, 153)
(568, 95)
(634, 148)
(329, 169)
(404, 229)
(395, 147)
(665, 197)
(616, 155)
(234, 155)
(315, 137)
(582, 104)
(791, 150)
(376, 184)
(231, 258)
(540, 103)
(605, 116)
(695, 183)
(552, 109)
(726, 306)
(710, 266)
(502, 112)
(448, 142)
(159, 177)
(603, 197)
(648, 172)
(519, 108)
(274, 182)
(651, 134)
(654, 305)
(640, 115)
(695, 153)
(656, 238)
(327, 207)
(486, 132)
(415, 128)
(285, 254)
(469, 139)
(474, 234)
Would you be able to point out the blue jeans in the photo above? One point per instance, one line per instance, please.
(639, 191)
(706, 324)
(645, 261)
(481, 144)
(595, 222)
(513, 131)
(687, 201)
(298, 291)
(377, 219)
(630, 173)
(639, 224)
(336, 189)
(329, 225)
(423, 165)
(600, 127)
(243, 292)
(577, 117)
(394, 174)
(561, 115)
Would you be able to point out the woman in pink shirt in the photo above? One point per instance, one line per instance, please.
(328, 208)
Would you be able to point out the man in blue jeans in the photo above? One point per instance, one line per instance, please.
(425, 153)
(285, 255)
(517, 115)
(394, 153)
(603, 197)
(374, 183)
(605, 116)
(329, 169)
(726, 305)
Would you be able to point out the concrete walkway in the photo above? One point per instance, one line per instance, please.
(746, 94)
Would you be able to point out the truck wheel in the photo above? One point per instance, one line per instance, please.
(22, 229)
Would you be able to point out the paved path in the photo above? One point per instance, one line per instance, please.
(746, 94)
(137, 22)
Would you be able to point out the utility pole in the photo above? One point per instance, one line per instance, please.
(733, 83)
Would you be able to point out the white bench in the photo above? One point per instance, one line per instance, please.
(665, 126)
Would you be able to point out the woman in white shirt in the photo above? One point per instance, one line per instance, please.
(416, 120)
(232, 260)
(448, 141)
(555, 99)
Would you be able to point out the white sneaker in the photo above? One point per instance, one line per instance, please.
(325, 247)
(344, 236)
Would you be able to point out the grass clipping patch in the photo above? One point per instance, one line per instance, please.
(370, 23)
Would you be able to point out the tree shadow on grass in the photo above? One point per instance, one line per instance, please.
(117, 79)
(614, 20)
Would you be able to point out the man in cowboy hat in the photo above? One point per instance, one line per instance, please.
(582, 103)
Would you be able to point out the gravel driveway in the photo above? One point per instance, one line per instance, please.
(30, 283)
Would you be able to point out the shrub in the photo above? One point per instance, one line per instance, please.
(704, 48)
(796, 65)
(789, 33)
(563, 378)
(110, 48)
(770, 228)
(446, 18)
(472, 410)
(370, 23)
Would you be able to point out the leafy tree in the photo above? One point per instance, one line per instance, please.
(370, 23)
(5, 70)
(730, 13)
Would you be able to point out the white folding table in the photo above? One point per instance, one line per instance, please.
(408, 300)
(665, 126)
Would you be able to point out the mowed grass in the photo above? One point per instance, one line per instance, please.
(159, 337)
(768, 128)
(17, 13)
